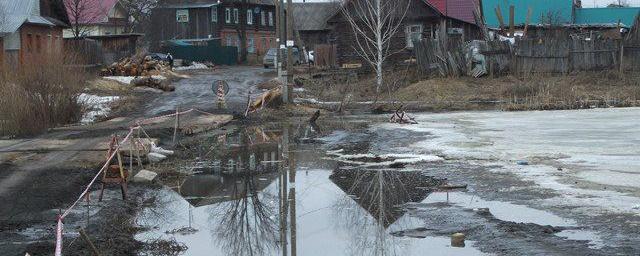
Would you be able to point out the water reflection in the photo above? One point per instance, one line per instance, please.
(378, 193)
(268, 191)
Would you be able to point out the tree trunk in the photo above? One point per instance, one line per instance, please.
(379, 48)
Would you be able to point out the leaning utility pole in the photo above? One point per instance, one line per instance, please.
(288, 91)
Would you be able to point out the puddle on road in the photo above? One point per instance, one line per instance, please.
(263, 194)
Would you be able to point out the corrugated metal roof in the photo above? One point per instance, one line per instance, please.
(542, 11)
(625, 15)
(17, 12)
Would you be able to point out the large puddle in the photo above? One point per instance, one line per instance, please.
(275, 191)
(366, 187)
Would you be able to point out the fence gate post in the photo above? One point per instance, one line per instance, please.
(621, 62)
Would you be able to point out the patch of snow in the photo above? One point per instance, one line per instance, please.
(194, 66)
(383, 159)
(98, 106)
(120, 79)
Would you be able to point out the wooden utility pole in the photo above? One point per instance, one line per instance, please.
(283, 42)
(290, 42)
(277, 62)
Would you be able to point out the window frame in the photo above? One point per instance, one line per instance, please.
(214, 14)
(271, 19)
(409, 33)
(263, 18)
(249, 17)
(227, 15)
(236, 16)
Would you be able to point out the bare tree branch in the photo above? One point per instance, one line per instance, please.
(374, 24)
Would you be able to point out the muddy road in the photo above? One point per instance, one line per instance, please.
(523, 183)
(40, 175)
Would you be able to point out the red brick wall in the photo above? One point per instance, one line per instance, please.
(262, 40)
(38, 41)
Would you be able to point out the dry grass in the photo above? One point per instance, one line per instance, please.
(538, 92)
(39, 95)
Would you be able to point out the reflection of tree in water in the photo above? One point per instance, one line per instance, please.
(379, 193)
(244, 225)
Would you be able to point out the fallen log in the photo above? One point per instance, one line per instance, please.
(271, 98)
(152, 83)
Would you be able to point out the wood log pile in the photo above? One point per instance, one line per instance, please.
(153, 82)
(138, 65)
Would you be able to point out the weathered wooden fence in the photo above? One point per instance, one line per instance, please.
(87, 52)
(528, 56)
(325, 55)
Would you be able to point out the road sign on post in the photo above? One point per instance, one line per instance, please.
(221, 89)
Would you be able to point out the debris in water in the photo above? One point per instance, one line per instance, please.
(457, 240)
(182, 231)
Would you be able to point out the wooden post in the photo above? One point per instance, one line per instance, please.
(621, 62)
(499, 16)
(91, 245)
(512, 13)
(526, 24)
(175, 129)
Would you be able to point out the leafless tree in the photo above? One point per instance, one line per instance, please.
(138, 13)
(83, 12)
(619, 3)
(374, 24)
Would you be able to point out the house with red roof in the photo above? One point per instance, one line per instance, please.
(95, 18)
(425, 19)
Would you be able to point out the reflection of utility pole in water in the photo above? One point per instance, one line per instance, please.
(283, 192)
(292, 197)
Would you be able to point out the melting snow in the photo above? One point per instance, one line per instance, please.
(97, 105)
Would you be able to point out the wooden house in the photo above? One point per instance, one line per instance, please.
(424, 19)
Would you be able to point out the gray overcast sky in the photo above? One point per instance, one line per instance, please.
(585, 3)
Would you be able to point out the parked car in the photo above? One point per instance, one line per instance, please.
(158, 56)
(269, 59)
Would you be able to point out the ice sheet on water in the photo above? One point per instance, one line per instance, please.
(599, 145)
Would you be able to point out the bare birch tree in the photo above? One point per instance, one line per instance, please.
(138, 14)
(82, 13)
(374, 24)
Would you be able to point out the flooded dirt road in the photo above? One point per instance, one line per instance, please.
(196, 92)
(537, 183)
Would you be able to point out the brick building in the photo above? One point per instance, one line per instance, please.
(31, 29)
(226, 21)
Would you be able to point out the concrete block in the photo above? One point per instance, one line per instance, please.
(144, 176)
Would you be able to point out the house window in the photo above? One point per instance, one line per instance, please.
(249, 17)
(270, 18)
(263, 18)
(229, 41)
(251, 48)
(236, 18)
(413, 32)
(214, 14)
(29, 42)
(227, 15)
(182, 15)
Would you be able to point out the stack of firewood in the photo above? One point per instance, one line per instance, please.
(135, 66)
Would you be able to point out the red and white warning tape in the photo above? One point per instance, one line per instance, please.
(60, 224)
